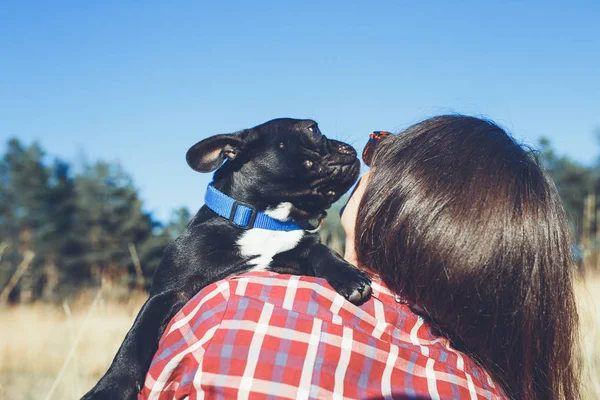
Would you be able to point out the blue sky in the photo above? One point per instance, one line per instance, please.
(140, 82)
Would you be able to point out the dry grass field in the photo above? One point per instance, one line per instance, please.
(36, 340)
(588, 296)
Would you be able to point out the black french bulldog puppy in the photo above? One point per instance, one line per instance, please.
(266, 203)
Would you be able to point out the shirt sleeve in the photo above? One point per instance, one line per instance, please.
(182, 346)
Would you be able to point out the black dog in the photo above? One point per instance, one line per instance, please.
(266, 204)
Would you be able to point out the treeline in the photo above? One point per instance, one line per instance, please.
(61, 231)
(575, 182)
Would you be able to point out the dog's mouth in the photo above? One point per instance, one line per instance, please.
(334, 168)
(341, 175)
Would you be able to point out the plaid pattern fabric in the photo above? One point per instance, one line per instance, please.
(264, 336)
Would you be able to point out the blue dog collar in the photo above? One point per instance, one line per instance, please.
(242, 215)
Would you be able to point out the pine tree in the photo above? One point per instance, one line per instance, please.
(25, 224)
(109, 208)
(573, 181)
(65, 244)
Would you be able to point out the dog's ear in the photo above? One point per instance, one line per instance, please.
(208, 154)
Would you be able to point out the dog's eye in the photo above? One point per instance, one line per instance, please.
(282, 146)
(314, 129)
(308, 164)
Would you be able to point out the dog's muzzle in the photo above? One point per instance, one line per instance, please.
(342, 170)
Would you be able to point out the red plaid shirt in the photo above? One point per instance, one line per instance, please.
(262, 335)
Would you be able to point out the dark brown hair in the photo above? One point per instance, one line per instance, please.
(464, 223)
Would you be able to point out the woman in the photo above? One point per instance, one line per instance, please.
(468, 233)
(464, 224)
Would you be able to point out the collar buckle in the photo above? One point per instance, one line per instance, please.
(232, 215)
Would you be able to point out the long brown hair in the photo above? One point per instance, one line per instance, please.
(463, 222)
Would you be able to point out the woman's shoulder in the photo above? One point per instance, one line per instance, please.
(298, 327)
(383, 332)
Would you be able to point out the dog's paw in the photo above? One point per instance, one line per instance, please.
(345, 278)
(352, 283)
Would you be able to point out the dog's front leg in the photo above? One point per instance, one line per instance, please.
(128, 370)
(346, 279)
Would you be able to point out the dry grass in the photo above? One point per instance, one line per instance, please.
(35, 340)
(588, 296)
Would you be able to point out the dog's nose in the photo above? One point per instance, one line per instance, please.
(346, 150)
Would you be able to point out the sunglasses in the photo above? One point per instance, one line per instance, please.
(374, 139)
(367, 156)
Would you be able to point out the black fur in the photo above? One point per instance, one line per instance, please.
(283, 160)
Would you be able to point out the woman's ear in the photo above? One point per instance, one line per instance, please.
(208, 154)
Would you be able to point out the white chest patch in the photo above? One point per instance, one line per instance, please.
(264, 244)
(281, 212)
